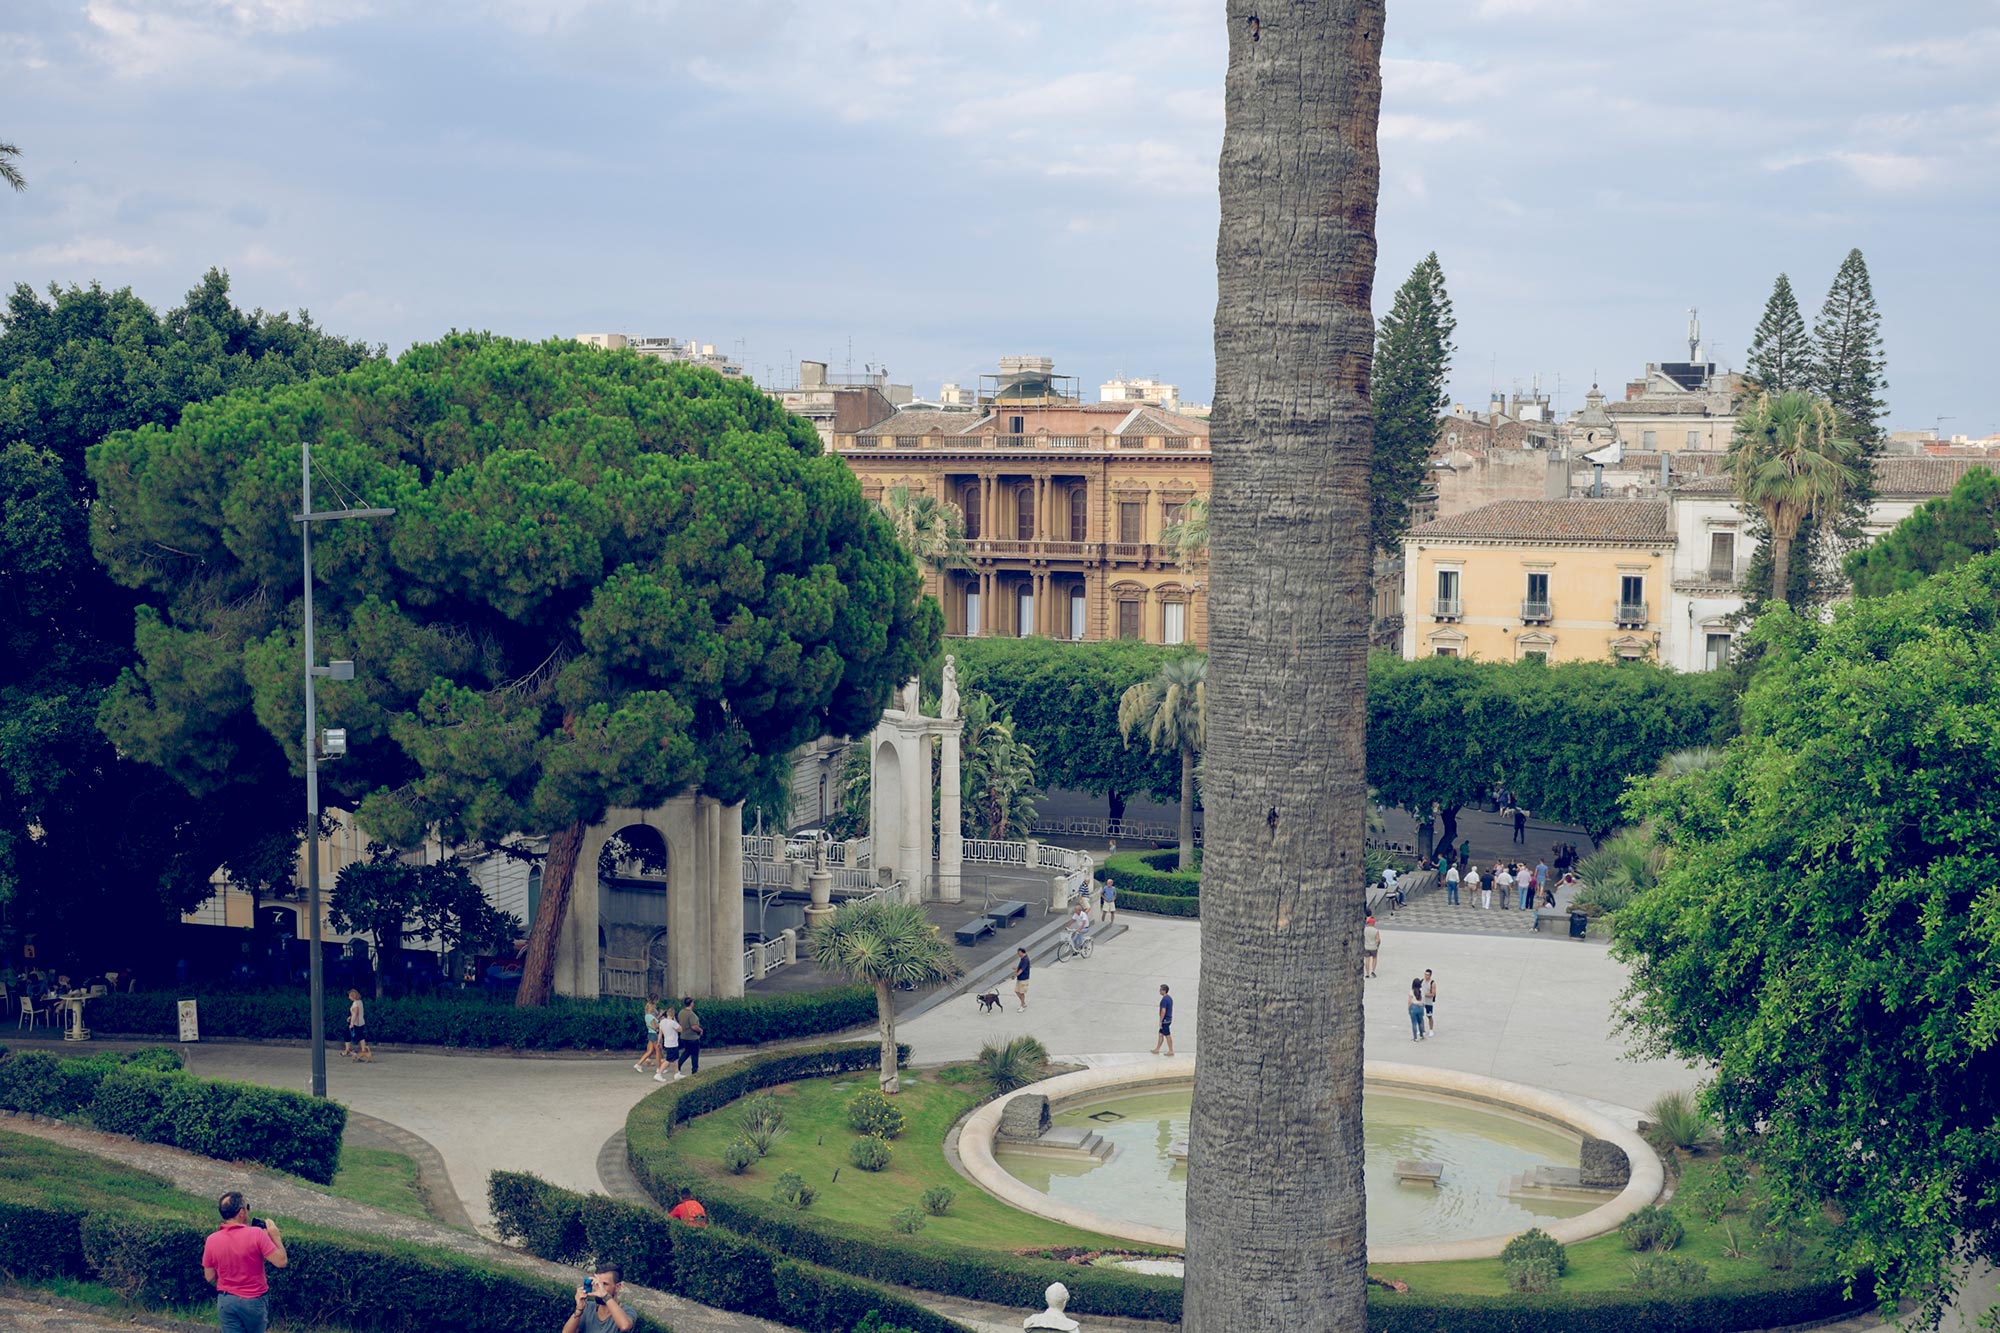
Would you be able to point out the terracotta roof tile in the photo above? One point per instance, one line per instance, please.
(1925, 476)
(1558, 520)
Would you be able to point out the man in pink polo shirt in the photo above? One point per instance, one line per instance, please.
(233, 1263)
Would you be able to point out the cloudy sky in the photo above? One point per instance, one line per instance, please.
(935, 183)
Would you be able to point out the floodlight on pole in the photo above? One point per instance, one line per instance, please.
(335, 741)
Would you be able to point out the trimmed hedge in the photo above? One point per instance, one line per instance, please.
(940, 1266)
(347, 1283)
(1772, 1303)
(1151, 873)
(709, 1264)
(475, 1020)
(134, 1096)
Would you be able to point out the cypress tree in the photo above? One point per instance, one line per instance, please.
(1847, 365)
(1412, 357)
(1781, 354)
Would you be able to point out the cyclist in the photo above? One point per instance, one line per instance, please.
(1079, 925)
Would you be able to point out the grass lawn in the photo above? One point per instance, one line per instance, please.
(1605, 1264)
(381, 1178)
(816, 1142)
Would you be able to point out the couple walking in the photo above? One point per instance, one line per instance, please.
(671, 1038)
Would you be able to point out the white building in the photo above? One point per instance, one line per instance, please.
(1153, 393)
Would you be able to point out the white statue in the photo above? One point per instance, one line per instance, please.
(912, 706)
(948, 705)
(1058, 1297)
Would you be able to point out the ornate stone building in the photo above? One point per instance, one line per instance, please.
(1066, 504)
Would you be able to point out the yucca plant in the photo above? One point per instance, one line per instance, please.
(1678, 1123)
(1013, 1064)
(1627, 864)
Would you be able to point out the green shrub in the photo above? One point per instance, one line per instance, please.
(1535, 1243)
(1678, 1123)
(739, 1155)
(792, 1189)
(1765, 1303)
(1667, 1272)
(475, 1020)
(874, 1114)
(907, 1221)
(37, 1244)
(1160, 904)
(1782, 1250)
(542, 1219)
(1533, 1276)
(680, 1102)
(869, 1153)
(1013, 1064)
(762, 1139)
(762, 1111)
(938, 1200)
(36, 1083)
(1151, 874)
(1651, 1228)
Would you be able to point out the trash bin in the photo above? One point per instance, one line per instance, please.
(1578, 923)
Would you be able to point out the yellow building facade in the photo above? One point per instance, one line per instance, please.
(1066, 507)
(1563, 580)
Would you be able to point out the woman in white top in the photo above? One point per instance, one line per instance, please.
(670, 1045)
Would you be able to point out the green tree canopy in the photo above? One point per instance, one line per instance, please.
(882, 944)
(1943, 534)
(1826, 928)
(1793, 460)
(100, 850)
(1781, 353)
(608, 580)
(1412, 362)
(1848, 368)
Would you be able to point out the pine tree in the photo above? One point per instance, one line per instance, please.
(1412, 357)
(1847, 365)
(1781, 355)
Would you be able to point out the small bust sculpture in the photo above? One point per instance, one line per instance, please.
(948, 702)
(1058, 1297)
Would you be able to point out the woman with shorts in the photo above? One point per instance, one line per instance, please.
(356, 1045)
(652, 1021)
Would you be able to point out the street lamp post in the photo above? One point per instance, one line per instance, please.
(334, 671)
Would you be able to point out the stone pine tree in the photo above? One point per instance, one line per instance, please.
(1847, 366)
(1413, 351)
(1276, 1230)
(1781, 352)
(608, 581)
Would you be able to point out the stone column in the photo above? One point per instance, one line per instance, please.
(726, 910)
(913, 858)
(951, 841)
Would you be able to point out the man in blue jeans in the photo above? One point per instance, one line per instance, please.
(232, 1261)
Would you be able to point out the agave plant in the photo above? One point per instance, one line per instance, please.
(1627, 864)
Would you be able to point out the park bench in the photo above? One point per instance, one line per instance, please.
(970, 932)
(1005, 914)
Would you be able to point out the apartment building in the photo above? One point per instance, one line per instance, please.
(1066, 504)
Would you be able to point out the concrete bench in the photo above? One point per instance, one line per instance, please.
(1412, 1172)
(970, 932)
(1005, 914)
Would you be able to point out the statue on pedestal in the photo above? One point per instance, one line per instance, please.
(1058, 1297)
(912, 703)
(948, 704)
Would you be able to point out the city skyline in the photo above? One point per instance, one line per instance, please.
(934, 186)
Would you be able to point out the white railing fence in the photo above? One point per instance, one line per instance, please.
(759, 959)
(769, 847)
(996, 853)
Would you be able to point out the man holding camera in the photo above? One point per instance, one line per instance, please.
(597, 1307)
(232, 1261)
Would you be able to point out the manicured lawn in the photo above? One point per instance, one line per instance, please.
(380, 1178)
(34, 1171)
(816, 1143)
(1605, 1264)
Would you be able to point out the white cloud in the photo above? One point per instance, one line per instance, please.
(1888, 172)
(216, 41)
(90, 251)
(1404, 128)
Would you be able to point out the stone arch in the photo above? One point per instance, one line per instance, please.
(889, 798)
(632, 883)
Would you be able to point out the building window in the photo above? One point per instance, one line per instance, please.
(1650, 439)
(1128, 618)
(1079, 514)
(968, 502)
(1132, 521)
(1026, 628)
(1175, 514)
(1716, 652)
(972, 609)
(1447, 594)
(1077, 605)
(1722, 557)
(1024, 511)
(1632, 599)
(1535, 606)
(1442, 651)
(1176, 623)
(1694, 439)
(1017, 425)
(1534, 654)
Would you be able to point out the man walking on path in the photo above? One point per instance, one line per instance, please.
(1451, 886)
(1021, 978)
(232, 1261)
(690, 1022)
(1503, 884)
(1528, 882)
(1371, 945)
(1472, 883)
(1520, 825)
(1166, 1021)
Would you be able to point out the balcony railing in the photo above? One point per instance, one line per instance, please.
(1447, 608)
(1537, 610)
(1723, 574)
(1631, 613)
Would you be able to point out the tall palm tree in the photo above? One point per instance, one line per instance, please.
(1277, 1236)
(930, 529)
(1793, 459)
(1171, 710)
(883, 944)
(1187, 540)
(10, 171)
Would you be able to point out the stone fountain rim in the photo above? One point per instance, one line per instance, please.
(980, 1128)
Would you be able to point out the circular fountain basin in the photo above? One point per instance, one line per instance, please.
(1487, 1135)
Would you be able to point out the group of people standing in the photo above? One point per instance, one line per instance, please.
(671, 1038)
(1514, 883)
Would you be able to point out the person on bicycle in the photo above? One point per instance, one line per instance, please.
(1079, 925)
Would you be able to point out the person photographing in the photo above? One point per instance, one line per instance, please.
(597, 1307)
(232, 1261)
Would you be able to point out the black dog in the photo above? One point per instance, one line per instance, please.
(989, 1003)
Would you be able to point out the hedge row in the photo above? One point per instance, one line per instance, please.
(910, 1261)
(345, 1283)
(235, 1122)
(1766, 1303)
(472, 1019)
(706, 1264)
(1151, 874)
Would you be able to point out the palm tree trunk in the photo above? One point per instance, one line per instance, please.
(1187, 809)
(538, 972)
(1781, 568)
(1276, 1230)
(885, 1015)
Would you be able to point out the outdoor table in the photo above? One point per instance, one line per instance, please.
(73, 1028)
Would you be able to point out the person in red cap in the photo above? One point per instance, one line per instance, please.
(1371, 945)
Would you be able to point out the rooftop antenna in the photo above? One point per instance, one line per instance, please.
(1694, 336)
